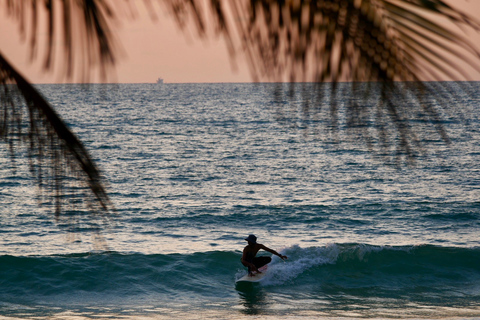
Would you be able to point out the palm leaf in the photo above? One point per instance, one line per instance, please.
(58, 159)
(56, 155)
(82, 26)
(370, 41)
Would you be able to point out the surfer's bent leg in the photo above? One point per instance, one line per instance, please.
(261, 261)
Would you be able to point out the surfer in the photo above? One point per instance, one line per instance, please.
(249, 258)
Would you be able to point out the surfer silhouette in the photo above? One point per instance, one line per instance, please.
(249, 258)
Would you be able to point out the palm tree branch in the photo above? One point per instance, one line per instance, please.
(407, 31)
(397, 13)
(48, 135)
(443, 9)
(85, 26)
(426, 54)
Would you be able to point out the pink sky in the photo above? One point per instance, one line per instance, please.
(156, 49)
(151, 49)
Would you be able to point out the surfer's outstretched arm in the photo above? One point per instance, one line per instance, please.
(273, 252)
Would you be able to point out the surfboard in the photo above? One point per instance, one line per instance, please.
(257, 277)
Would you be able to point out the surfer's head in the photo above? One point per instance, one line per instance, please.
(251, 239)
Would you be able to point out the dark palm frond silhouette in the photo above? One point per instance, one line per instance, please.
(55, 153)
(381, 48)
(376, 46)
(83, 28)
(58, 159)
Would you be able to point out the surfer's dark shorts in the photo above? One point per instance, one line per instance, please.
(260, 261)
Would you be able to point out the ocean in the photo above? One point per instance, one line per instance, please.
(192, 169)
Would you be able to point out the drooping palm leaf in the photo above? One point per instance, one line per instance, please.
(82, 27)
(58, 160)
(56, 155)
(382, 43)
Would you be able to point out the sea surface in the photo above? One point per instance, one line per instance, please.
(193, 169)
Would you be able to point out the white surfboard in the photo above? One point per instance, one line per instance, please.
(257, 277)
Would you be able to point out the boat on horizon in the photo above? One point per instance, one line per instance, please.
(159, 81)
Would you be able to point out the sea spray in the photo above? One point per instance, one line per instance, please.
(299, 262)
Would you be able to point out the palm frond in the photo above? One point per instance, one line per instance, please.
(58, 160)
(383, 43)
(82, 27)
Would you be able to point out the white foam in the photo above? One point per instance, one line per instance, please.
(299, 261)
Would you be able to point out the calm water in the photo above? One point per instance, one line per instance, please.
(194, 168)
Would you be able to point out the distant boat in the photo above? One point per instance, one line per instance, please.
(160, 81)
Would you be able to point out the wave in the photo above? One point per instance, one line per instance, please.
(360, 265)
(343, 269)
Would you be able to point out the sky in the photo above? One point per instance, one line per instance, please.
(153, 49)
(149, 50)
